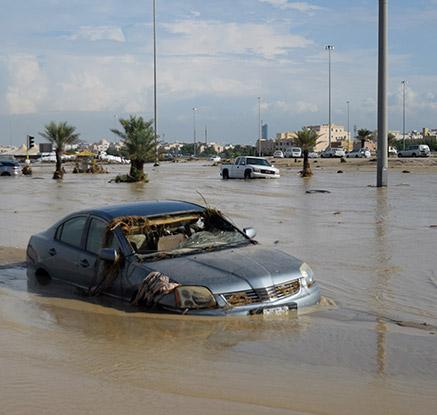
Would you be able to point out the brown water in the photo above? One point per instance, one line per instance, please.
(370, 348)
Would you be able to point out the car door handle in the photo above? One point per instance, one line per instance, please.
(84, 263)
(52, 251)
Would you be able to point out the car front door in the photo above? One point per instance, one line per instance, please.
(92, 270)
(240, 168)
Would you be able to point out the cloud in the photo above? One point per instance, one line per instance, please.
(27, 84)
(96, 33)
(214, 38)
(286, 5)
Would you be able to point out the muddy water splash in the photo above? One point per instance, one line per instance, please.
(372, 252)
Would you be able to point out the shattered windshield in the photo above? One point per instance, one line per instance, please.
(173, 235)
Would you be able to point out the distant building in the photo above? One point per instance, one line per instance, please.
(339, 136)
(265, 131)
(265, 147)
(100, 146)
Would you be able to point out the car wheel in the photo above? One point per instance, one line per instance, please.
(247, 174)
(225, 174)
(42, 277)
(357, 156)
(413, 155)
(5, 173)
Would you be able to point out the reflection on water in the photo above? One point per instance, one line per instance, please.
(383, 275)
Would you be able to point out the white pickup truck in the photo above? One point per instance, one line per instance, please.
(249, 168)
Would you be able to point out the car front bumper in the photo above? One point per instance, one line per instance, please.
(258, 175)
(307, 297)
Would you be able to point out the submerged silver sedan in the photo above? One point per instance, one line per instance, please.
(170, 255)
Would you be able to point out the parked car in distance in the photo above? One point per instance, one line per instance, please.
(246, 167)
(313, 155)
(333, 152)
(418, 150)
(278, 154)
(294, 152)
(9, 167)
(359, 153)
(215, 159)
(169, 255)
(392, 152)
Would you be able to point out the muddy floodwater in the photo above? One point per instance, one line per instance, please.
(369, 348)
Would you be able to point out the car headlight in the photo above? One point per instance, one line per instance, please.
(194, 297)
(307, 275)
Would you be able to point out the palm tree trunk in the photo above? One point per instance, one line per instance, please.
(306, 171)
(137, 170)
(363, 143)
(59, 173)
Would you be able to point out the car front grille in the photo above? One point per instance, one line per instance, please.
(267, 171)
(263, 295)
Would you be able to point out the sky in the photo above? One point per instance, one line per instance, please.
(90, 62)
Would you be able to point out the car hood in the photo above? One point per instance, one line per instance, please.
(229, 270)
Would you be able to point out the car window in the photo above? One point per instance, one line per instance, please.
(96, 235)
(71, 231)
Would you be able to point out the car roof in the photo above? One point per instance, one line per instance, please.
(145, 208)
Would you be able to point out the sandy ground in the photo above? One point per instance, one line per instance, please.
(426, 164)
(370, 347)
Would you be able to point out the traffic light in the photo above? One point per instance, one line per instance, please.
(31, 141)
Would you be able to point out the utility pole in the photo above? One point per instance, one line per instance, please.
(404, 85)
(155, 121)
(259, 126)
(329, 48)
(206, 135)
(194, 131)
(382, 159)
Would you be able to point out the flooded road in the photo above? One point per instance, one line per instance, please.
(371, 347)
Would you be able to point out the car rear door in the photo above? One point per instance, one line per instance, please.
(64, 249)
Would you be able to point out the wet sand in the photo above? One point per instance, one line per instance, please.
(371, 347)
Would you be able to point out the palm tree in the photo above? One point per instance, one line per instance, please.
(307, 140)
(138, 144)
(60, 134)
(364, 135)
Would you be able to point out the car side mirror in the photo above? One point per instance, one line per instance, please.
(108, 255)
(250, 232)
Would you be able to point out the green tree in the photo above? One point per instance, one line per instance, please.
(138, 144)
(391, 138)
(364, 135)
(306, 139)
(60, 134)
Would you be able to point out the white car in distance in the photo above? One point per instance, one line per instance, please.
(333, 152)
(294, 152)
(359, 153)
(246, 167)
(278, 154)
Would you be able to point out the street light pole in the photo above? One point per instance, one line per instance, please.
(194, 130)
(348, 126)
(329, 48)
(382, 159)
(403, 110)
(155, 121)
(259, 126)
